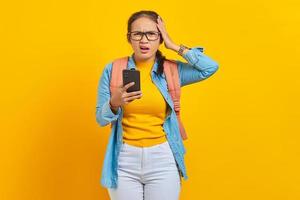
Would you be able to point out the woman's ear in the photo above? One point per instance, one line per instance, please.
(128, 38)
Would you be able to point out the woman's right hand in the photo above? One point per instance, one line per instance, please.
(122, 97)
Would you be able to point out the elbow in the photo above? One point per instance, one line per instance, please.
(105, 116)
(212, 70)
(100, 120)
(216, 66)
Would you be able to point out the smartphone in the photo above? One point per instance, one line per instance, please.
(131, 75)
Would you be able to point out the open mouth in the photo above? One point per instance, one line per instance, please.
(144, 49)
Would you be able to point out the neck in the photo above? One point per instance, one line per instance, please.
(138, 60)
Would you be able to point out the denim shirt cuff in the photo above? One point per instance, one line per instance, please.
(108, 113)
(191, 55)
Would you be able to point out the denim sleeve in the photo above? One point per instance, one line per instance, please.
(104, 114)
(198, 68)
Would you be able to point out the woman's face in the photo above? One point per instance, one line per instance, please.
(144, 49)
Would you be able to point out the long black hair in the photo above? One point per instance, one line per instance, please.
(153, 16)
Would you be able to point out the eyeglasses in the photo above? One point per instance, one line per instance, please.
(150, 35)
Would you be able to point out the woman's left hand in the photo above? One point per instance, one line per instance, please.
(162, 28)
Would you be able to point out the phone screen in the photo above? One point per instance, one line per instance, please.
(131, 76)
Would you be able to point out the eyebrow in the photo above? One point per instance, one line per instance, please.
(146, 31)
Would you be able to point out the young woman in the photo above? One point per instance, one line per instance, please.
(145, 154)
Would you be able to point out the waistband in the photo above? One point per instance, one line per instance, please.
(151, 147)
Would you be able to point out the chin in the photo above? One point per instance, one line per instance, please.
(145, 56)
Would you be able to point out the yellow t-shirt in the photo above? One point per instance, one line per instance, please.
(143, 118)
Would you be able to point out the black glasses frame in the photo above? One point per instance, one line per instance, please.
(144, 33)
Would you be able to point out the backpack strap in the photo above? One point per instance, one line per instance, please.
(116, 79)
(172, 76)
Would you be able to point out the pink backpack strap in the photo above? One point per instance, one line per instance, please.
(172, 76)
(116, 80)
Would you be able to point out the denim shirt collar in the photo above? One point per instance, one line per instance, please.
(131, 64)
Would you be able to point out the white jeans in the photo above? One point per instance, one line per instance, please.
(147, 173)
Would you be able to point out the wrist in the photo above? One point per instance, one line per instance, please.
(182, 49)
(174, 47)
(115, 108)
(179, 49)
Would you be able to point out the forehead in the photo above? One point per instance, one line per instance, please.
(143, 24)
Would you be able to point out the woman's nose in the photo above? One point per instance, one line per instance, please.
(144, 38)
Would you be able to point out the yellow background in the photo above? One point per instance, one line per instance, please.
(243, 145)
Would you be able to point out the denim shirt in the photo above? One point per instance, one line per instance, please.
(198, 67)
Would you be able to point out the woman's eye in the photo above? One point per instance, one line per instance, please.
(138, 33)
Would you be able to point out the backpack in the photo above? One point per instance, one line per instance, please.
(172, 78)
